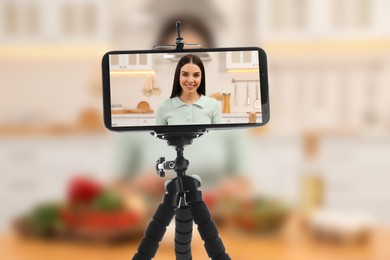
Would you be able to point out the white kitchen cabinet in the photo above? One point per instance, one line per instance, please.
(124, 121)
(355, 172)
(59, 21)
(242, 60)
(146, 121)
(238, 118)
(229, 120)
(37, 170)
(131, 62)
(133, 120)
(298, 20)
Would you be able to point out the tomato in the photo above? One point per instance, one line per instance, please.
(83, 189)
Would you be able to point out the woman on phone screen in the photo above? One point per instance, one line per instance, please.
(188, 103)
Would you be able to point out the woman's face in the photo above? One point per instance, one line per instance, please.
(190, 77)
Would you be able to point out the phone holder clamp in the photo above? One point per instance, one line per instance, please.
(179, 44)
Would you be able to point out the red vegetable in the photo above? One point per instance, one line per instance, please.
(83, 190)
(100, 220)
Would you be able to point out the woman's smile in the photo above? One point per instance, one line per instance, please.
(190, 86)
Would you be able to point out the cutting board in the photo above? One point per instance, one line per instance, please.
(142, 108)
(132, 111)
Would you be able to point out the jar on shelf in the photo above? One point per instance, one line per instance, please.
(226, 103)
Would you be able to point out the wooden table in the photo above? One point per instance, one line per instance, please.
(292, 243)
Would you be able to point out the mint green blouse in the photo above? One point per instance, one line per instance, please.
(174, 111)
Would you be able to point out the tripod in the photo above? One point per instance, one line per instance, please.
(183, 200)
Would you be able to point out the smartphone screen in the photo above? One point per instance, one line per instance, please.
(197, 88)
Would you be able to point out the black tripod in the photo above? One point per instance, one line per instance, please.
(182, 199)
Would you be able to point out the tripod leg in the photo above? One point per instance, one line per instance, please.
(154, 233)
(208, 231)
(183, 233)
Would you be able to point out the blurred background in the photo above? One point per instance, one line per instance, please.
(318, 172)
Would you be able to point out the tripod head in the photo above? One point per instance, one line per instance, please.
(178, 140)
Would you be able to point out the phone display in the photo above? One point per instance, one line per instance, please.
(185, 90)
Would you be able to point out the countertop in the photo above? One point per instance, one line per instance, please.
(154, 114)
(290, 244)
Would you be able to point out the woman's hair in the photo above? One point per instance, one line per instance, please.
(190, 58)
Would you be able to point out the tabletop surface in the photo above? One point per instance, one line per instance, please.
(292, 243)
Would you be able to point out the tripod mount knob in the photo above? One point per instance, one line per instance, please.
(162, 166)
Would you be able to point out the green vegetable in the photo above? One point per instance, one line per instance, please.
(44, 219)
(109, 201)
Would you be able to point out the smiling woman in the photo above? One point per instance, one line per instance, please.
(188, 103)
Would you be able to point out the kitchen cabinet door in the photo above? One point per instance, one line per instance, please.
(229, 120)
(133, 120)
(238, 118)
(37, 170)
(146, 121)
(131, 62)
(124, 121)
(242, 60)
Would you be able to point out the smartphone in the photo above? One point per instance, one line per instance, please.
(185, 90)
